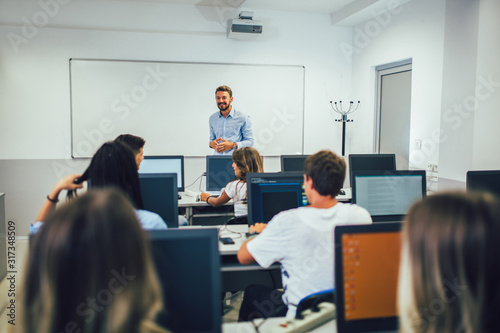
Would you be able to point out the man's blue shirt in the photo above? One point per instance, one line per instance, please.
(236, 127)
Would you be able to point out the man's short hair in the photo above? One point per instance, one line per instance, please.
(327, 171)
(225, 88)
(135, 143)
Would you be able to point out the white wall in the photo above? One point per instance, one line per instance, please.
(454, 46)
(487, 112)
(34, 73)
(414, 30)
(459, 80)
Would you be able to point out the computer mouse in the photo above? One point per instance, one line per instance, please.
(341, 192)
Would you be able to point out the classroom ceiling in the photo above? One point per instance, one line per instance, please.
(310, 6)
(342, 12)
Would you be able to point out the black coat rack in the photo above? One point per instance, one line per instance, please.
(337, 107)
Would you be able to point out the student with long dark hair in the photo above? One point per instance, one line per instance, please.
(245, 160)
(449, 272)
(81, 276)
(113, 165)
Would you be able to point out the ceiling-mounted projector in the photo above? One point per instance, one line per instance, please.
(244, 27)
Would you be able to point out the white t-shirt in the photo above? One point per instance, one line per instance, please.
(302, 240)
(237, 190)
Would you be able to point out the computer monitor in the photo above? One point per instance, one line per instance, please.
(361, 162)
(270, 193)
(188, 266)
(165, 164)
(219, 172)
(159, 195)
(387, 195)
(486, 180)
(293, 162)
(366, 277)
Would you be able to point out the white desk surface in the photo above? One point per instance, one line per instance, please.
(189, 201)
(267, 327)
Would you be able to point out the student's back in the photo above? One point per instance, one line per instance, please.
(83, 275)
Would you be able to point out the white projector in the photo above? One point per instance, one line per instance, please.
(244, 28)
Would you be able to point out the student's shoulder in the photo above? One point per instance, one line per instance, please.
(353, 210)
(287, 216)
(150, 220)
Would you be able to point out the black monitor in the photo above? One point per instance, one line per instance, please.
(361, 162)
(188, 266)
(270, 193)
(366, 277)
(165, 164)
(387, 195)
(159, 195)
(293, 162)
(219, 172)
(486, 180)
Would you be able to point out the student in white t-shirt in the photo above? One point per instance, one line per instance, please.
(245, 160)
(301, 240)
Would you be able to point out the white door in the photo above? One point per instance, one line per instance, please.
(393, 113)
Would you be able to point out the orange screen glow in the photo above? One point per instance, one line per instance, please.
(371, 263)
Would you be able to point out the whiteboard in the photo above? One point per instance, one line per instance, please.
(169, 103)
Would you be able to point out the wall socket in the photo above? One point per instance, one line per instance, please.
(433, 167)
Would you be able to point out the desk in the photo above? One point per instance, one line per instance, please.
(236, 276)
(267, 327)
(189, 203)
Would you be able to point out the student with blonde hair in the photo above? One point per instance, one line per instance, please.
(449, 270)
(245, 160)
(89, 269)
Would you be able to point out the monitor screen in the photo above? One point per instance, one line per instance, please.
(366, 276)
(293, 162)
(486, 180)
(387, 195)
(270, 193)
(165, 164)
(159, 195)
(362, 162)
(188, 266)
(219, 172)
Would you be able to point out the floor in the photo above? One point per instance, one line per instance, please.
(231, 308)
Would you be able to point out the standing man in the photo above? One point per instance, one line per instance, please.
(229, 129)
(301, 240)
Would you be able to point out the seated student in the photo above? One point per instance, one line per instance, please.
(301, 240)
(112, 165)
(245, 160)
(81, 276)
(449, 272)
(135, 143)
